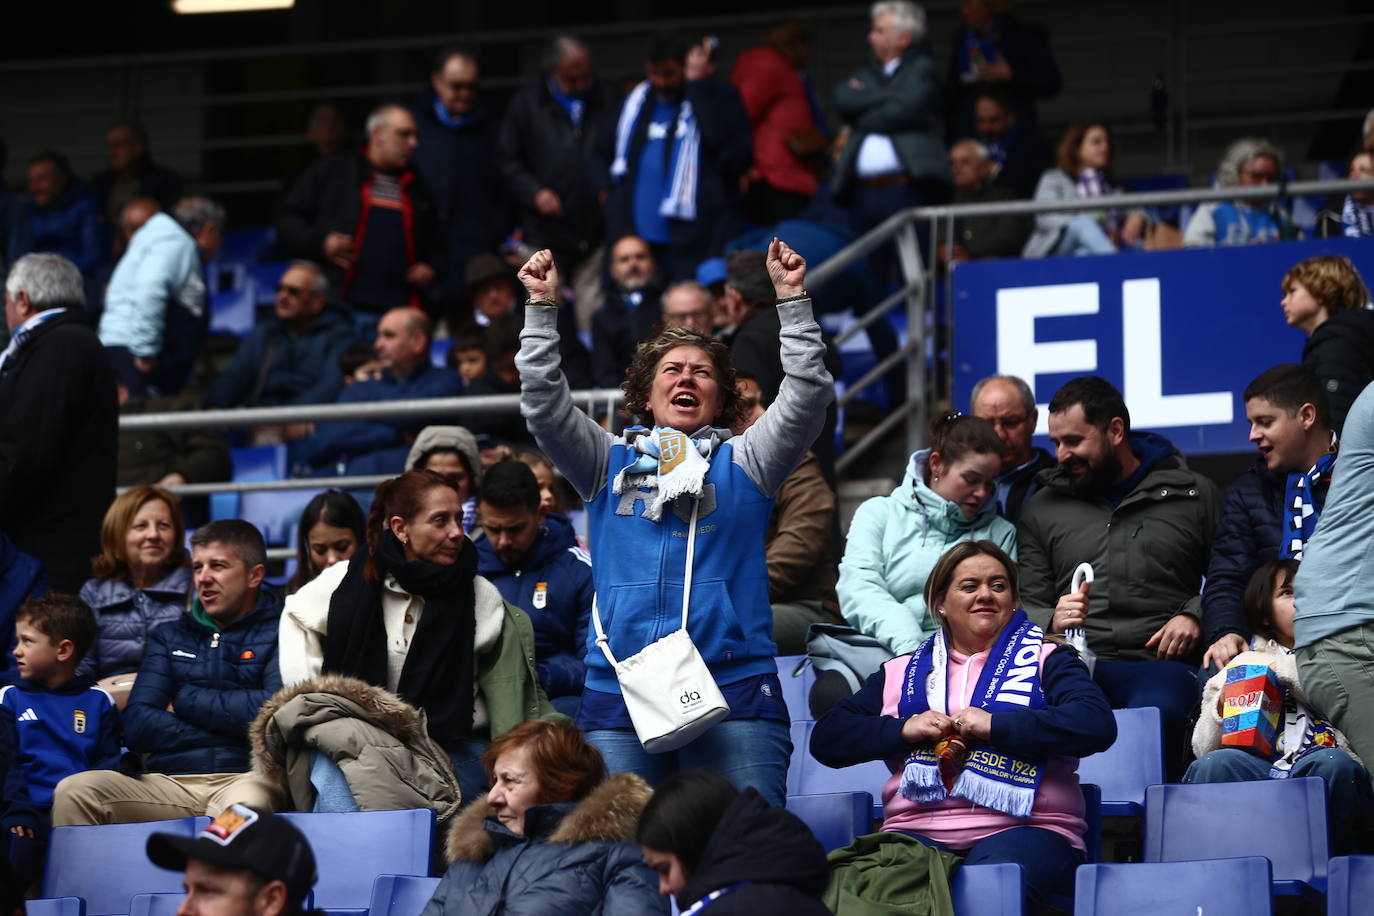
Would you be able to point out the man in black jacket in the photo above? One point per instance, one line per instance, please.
(1290, 423)
(681, 143)
(1021, 155)
(369, 218)
(552, 160)
(457, 157)
(58, 421)
(632, 308)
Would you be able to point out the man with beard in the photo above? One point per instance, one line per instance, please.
(1127, 503)
(631, 310)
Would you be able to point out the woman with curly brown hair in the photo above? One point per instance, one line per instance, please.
(677, 513)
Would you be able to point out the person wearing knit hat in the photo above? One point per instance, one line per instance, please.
(451, 451)
(244, 863)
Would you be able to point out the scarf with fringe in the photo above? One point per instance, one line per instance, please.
(670, 463)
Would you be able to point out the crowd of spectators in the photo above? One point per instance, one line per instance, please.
(465, 567)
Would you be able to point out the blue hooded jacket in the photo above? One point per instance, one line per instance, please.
(554, 587)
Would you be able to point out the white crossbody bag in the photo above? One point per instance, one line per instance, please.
(669, 692)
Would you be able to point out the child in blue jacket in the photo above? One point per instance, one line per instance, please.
(58, 724)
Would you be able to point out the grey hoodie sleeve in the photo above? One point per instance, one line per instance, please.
(772, 448)
(574, 442)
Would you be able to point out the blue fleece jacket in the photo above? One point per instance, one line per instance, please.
(215, 681)
(161, 270)
(301, 367)
(57, 732)
(377, 446)
(71, 226)
(554, 587)
(1075, 722)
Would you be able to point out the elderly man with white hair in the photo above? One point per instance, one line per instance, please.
(975, 237)
(369, 218)
(58, 421)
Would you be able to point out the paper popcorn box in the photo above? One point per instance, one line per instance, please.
(1251, 709)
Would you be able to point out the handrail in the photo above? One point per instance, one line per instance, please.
(371, 410)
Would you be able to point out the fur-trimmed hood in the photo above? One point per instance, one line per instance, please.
(609, 813)
(383, 708)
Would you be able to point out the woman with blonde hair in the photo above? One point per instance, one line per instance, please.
(139, 580)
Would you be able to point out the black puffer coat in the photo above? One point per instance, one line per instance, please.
(1340, 352)
(1246, 537)
(575, 859)
(772, 850)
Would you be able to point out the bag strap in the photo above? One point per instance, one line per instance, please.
(603, 641)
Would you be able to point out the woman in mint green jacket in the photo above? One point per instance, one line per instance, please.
(894, 541)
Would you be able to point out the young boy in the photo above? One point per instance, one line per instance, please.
(470, 356)
(59, 724)
(1325, 298)
(1271, 511)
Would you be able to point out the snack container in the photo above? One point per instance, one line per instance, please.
(1251, 709)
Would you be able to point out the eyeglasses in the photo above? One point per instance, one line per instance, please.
(292, 291)
(1265, 177)
(1006, 422)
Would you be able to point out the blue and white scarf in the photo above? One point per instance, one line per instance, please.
(1300, 511)
(22, 334)
(1010, 680)
(1356, 218)
(681, 200)
(669, 462)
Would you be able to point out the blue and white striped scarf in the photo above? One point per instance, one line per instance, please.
(1300, 509)
(681, 200)
(669, 462)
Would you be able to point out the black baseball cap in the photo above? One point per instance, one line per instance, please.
(242, 837)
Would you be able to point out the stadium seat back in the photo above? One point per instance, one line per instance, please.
(275, 512)
(400, 895)
(1349, 885)
(989, 890)
(56, 906)
(155, 904)
(796, 687)
(1281, 819)
(108, 864)
(1129, 766)
(835, 819)
(1217, 887)
(352, 849)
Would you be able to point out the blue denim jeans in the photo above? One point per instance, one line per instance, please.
(1047, 860)
(748, 752)
(1170, 687)
(466, 757)
(1347, 783)
(1083, 235)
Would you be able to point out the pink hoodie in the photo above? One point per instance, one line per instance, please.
(957, 822)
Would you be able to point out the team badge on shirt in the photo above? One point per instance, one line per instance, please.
(541, 594)
(79, 721)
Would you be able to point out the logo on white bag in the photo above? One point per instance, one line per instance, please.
(690, 700)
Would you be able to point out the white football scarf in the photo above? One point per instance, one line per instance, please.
(669, 462)
(681, 200)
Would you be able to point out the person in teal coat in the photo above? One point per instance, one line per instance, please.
(894, 541)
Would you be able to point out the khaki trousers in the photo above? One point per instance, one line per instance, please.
(109, 797)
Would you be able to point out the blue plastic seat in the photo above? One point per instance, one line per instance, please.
(251, 462)
(275, 512)
(1216, 887)
(796, 688)
(835, 819)
(246, 244)
(801, 753)
(438, 352)
(989, 890)
(1128, 767)
(1281, 819)
(352, 849)
(815, 778)
(1349, 885)
(155, 904)
(263, 278)
(108, 864)
(56, 906)
(233, 312)
(400, 895)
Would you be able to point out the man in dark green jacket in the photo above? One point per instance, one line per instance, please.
(1128, 504)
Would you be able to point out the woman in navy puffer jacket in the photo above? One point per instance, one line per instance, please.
(141, 578)
(553, 836)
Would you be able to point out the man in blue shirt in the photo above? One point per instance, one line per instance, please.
(682, 142)
(380, 446)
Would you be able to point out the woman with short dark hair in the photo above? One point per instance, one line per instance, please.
(552, 836)
(677, 513)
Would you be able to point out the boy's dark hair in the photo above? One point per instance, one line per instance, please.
(510, 484)
(683, 813)
(1099, 399)
(60, 616)
(1289, 386)
(243, 538)
(666, 46)
(1258, 603)
(470, 340)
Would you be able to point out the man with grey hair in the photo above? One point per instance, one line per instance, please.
(1008, 404)
(156, 306)
(1249, 162)
(58, 421)
(688, 305)
(294, 357)
(369, 219)
(982, 236)
(548, 149)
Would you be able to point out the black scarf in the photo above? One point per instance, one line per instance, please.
(438, 672)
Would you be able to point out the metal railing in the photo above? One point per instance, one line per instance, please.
(916, 292)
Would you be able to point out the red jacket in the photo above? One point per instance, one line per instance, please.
(775, 100)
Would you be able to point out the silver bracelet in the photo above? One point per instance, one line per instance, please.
(804, 295)
(549, 302)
